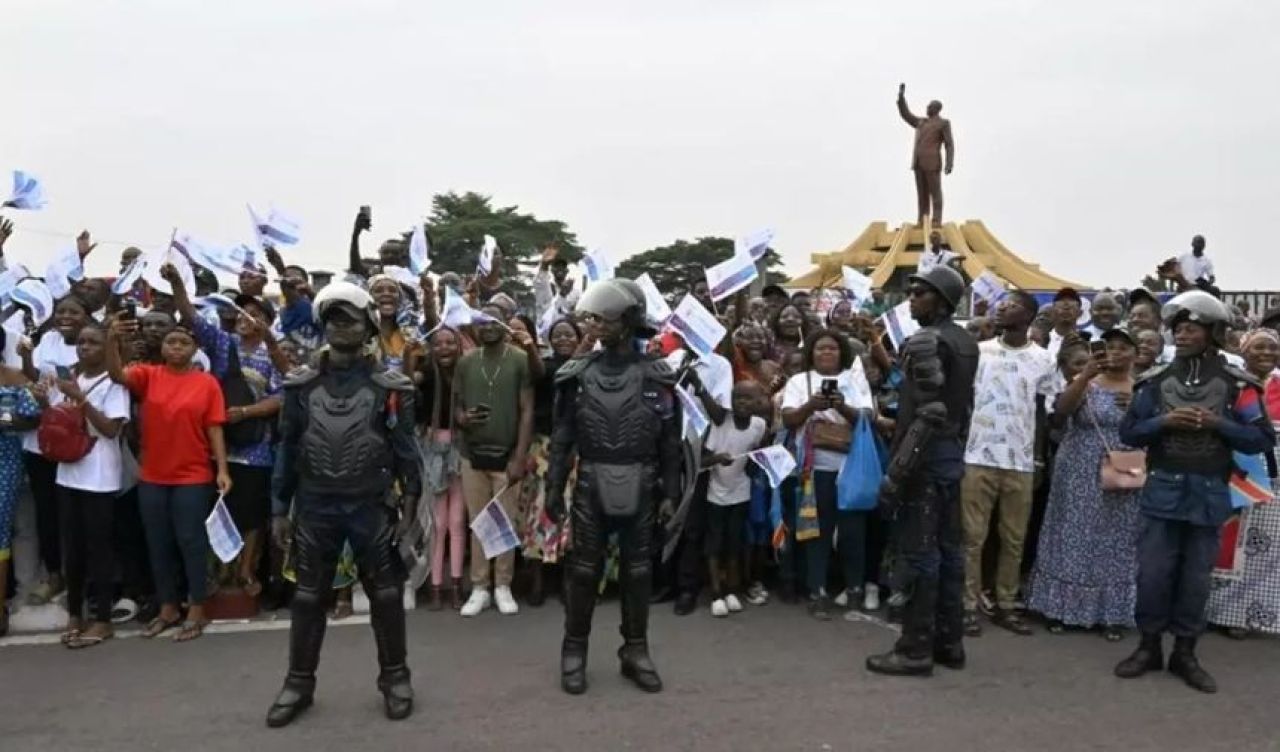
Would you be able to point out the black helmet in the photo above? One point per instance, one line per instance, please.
(945, 280)
(616, 298)
(1200, 307)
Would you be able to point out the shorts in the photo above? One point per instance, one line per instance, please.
(250, 499)
(726, 529)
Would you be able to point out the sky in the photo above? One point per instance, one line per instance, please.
(1092, 137)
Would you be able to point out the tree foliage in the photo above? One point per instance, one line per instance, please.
(674, 268)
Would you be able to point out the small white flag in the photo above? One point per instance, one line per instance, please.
(656, 309)
(727, 277)
(34, 295)
(9, 278)
(155, 260)
(129, 277)
(775, 461)
(596, 266)
(756, 244)
(484, 267)
(276, 229)
(493, 528)
(228, 261)
(700, 330)
(988, 287)
(456, 313)
(857, 283)
(898, 323)
(65, 268)
(27, 193)
(224, 537)
(419, 250)
(549, 318)
(696, 421)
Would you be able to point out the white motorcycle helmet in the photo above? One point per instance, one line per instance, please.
(345, 292)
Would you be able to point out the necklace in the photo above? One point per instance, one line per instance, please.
(490, 380)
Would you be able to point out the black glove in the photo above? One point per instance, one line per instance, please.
(890, 495)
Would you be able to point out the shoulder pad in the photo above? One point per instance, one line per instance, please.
(659, 370)
(1151, 373)
(300, 376)
(1239, 374)
(393, 380)
(574, 367)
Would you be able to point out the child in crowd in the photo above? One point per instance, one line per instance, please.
(729, 493)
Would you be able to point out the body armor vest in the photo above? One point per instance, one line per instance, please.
(958, 357)
(1194, 451)
(345, 449)
(619, 415)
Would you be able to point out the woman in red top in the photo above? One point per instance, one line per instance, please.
(181, 419)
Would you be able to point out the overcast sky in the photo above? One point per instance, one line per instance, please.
(1092, 137)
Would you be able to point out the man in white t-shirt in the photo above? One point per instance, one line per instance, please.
(1000, 456)
(935, 254)
(1197, 268)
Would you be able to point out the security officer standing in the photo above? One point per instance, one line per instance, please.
(616, 409)
(1190, 415)
(921, 488)
(347, 438)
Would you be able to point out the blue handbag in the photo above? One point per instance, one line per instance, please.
(858, 484)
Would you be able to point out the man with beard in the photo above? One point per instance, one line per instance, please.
(616, 408)
(921, 488)
(1190, 416)
(347, 438)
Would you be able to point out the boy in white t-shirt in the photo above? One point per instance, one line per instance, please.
(729, 493)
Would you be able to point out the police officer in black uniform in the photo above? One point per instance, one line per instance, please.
(347, 438)
(616, 409)
(1190, 415)
(921, 488)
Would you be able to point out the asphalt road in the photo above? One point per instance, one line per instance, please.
(768, 679)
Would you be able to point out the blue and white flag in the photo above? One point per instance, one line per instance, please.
(549, 318)
(596, 266)
(129, 277)
(276, 229)
(28, 193)
(898, 323)
(63, 270)
(755, 245)
(419, 251)
(856, 283)
(699, 329)
(493, 528)
(656, 309)
(224, 537)
(9, 279)
(155, 260)
(484, 267)
(775, 461)
(217, 260)
(456, 313)
(696, 421)
(727, 277)
(34, 295)
(988, 287)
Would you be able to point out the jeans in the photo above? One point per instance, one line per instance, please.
(852, 527)
(1175, 568)
(86, 545)
(173, 517)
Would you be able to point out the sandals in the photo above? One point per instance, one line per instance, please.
(190, 631)
(87, 640)
(1113, 634)
(159, 626)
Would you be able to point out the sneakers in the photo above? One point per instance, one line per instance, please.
(871, 598)
(757, 595)
(479, 601)
(733, 603)
(46, 591)
(506, 602)
(719, 608)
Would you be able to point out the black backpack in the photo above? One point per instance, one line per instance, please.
(236, 392)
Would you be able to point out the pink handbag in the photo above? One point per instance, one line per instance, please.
(1121, 469)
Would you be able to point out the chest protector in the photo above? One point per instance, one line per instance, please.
(345, 449)
(1195, 451)
(620, 415)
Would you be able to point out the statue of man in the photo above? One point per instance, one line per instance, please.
(932, 133)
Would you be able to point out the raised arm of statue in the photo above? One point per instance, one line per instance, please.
(950, 145)
(903, 110)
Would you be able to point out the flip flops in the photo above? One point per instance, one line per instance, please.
(190, 630)
(159, 626)
(82, 641)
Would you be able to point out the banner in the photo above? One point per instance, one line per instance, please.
(27, 193)
(700, 330)
(776, 462)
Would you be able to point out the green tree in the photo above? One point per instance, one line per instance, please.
(675, 267)
(458, 223)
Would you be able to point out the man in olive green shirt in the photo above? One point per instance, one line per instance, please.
(493, 408)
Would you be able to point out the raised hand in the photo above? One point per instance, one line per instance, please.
(6, 229)
(83, 244)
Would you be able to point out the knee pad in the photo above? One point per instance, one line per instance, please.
(309, 599)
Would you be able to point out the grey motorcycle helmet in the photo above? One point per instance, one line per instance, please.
(1200, 307)
(946, 281)
(616, 298)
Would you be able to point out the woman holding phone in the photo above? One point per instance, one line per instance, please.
(822, 404)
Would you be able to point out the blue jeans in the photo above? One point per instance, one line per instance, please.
(173, 517)
(1175, 572)
(853, 537)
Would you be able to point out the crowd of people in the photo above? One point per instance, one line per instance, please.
(128, 414)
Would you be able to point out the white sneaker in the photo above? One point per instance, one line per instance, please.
(506, 602)
(871, 600)
(478, 602)
(757, 595)
(841, 600)
(719, 608)
(733, 603)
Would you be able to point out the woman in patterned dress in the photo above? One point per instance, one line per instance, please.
(1085, 573)
(1252, 603)
(18, 412)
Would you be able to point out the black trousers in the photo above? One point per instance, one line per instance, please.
(86, 545)
(319, 532)
(930, 545)
(585, 563)
(43, 475)
(130, 545)
(692, 567)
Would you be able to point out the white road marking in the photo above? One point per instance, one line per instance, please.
(218, 627)
(856, 615)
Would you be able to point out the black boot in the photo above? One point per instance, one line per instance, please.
(912, 655)
(295, 697)
(537, 595)
(573, 665)
(1183, 664)
(949, 656)
(1148, 657)
(638, 666)
(894, 663)
(397, 692)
